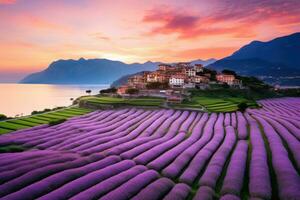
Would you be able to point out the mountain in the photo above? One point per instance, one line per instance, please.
(90, 71)
(203, 62)
(273, 60)
(82, 71)
(123, 80)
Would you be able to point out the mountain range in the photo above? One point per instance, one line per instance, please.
(91, 71)
(275, 61)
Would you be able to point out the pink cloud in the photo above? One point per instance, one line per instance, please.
(8, 1)
(235, 18)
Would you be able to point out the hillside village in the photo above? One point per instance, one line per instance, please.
(173, 79)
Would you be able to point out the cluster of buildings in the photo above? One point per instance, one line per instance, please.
(178, 76)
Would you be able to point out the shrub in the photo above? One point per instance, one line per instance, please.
(2, 117)
(55, 122)
(109, 90)
(242, 106)
(132, 91)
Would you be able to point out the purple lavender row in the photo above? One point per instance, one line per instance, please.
(50, 183)
(230, 197)
(287, 177)
(200, 159)
(97, 132)
(116, 150)
(98, 146)
(92, 135)
(204, 193)
(12, 172)
(144, 147)
(132, 187)
(151, 129)
(121, 131)
(166, 158)
(74, 187)
(241, 126)
(169, 143)
(38, 137)
(154, 152)
(102, 188)
(161, 148)
(227, 120)
(234, 179)
(188, 122)
(43, 172)
(292, 142)
(173, 170)
(166, 125)
(217, 162)
(108, 142)
(293, 129)
(14, 158)
(179, 192)
(155, 190)
(259, 177)
(233, 120)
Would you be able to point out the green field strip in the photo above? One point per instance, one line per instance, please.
(220, 106)
(11, 126)
(83, 110)
(38, 121)
(38, 117)
(21, 122)
(61, 114)
(74, 112)
(52, 116)
(3, 131)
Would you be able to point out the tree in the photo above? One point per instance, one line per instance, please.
(109, 90)
(2, 117)
(132, 91)
(242, 106)
(88, 91)
(228, 72)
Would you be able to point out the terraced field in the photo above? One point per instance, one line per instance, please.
(35, 120)
(159, 154)
(142, 101)
(213, 104)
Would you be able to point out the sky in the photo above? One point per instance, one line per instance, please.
(35, 33)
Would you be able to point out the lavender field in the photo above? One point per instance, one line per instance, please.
(159, 154)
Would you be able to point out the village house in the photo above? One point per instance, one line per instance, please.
(190, 72)
(152, 77)
(179, 76)
(200, 79)
(198, 68)
(177, 80)
(137, 81)
(165, 67)
(227, 78)
(122, 89)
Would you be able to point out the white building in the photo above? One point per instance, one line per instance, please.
(176, 80)
(190, 72)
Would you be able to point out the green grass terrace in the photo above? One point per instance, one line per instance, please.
(39, 119)
(117, 102)
(213, 104)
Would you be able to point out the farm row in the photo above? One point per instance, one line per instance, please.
(159, 154)
(36, 120)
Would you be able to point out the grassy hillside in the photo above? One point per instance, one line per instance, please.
(45, 118)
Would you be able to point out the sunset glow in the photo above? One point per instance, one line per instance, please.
(34, 33)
